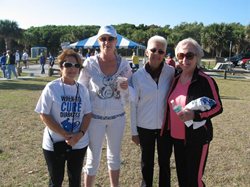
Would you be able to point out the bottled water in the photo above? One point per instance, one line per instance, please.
(177, 109)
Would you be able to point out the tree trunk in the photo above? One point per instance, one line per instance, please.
(7, 44)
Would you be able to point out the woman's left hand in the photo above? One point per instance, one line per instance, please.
(74, 138)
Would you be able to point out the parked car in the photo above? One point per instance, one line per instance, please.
(243, 62)
(236, 58)
(248, 65)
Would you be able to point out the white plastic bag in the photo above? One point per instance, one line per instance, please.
(203, 104)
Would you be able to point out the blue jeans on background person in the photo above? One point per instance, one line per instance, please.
(11, 68)
(3, 68)
(56, 167)
(148, 138)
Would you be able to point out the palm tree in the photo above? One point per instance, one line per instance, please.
(9, 31)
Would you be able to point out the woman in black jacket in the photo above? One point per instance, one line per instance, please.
(191, 142)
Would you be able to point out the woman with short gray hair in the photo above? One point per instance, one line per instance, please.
(191, 142)
(151, 84)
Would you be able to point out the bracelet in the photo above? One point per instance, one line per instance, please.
(82, 132)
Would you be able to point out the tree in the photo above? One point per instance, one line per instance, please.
(216, 38)
(247, 33)
(238, 37)
(26, 39)
(9, 31)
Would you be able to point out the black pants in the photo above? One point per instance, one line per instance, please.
(190, 163)
(148, 138)
(56, 165)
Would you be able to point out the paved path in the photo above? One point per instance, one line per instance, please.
(33, 71)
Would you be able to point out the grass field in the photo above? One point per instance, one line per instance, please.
(22, 162)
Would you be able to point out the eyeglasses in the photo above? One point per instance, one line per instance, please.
(188, 55)
(104, 39)
(69, 65)
(160, 52)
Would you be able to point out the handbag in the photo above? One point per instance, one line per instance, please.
(61, 147)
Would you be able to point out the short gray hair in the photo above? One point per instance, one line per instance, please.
(159, 39)
(199, 51)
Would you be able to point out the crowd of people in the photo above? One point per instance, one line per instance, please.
(11, 63)
(14, 63)
(85, 106)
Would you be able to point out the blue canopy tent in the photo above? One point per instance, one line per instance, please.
(122, 43)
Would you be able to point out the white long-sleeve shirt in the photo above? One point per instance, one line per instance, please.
(147, 109)
(104, 95)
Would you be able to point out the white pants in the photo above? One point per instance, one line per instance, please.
(98, 129)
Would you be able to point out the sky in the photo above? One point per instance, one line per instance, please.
(36, 13)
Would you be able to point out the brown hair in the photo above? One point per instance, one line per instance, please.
(68, 53)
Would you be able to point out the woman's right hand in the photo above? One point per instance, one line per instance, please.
(186, 115)
(73, 138)
(136, 139)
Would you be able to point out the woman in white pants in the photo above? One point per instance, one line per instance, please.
(100, 75)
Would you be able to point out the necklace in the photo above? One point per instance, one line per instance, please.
(64, 88)
(75, 100)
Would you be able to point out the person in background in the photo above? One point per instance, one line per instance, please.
(151, 84)
(51, 60)
(10, 63)
(3, 64)
(17, 59)
(88, 54)
(42, 60)
(100, 75)
(64, 108)
(170, 61)
(80, 54)
(191, 145)
(96, 52)
(25, 58)
(135, 60)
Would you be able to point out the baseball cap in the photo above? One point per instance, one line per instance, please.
(108, 29)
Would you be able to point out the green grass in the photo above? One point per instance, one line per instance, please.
(22, 162)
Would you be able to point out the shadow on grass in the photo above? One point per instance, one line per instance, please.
(229, 76)
(24, 84)
(230, 98)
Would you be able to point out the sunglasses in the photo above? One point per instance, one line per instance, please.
(104, 39)
(69, 65)
(160, 52)
(188, 55)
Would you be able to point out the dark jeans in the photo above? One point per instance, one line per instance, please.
(148, 138)
(190, 162)
(56, 165)
(42, 70)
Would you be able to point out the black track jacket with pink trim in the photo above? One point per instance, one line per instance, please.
(201, 85)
